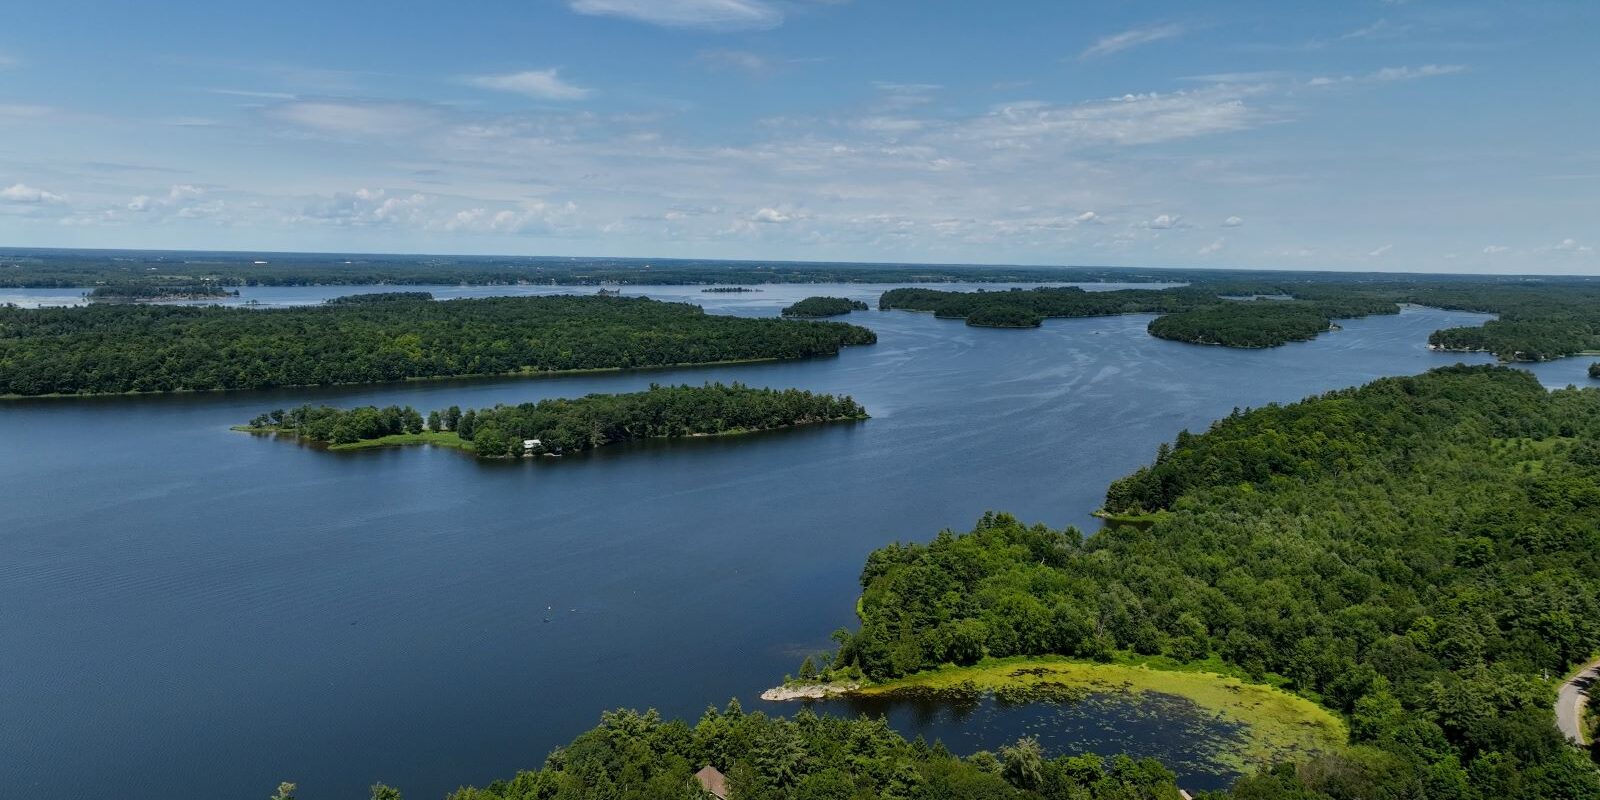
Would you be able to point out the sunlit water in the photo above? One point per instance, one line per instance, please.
(189, 611)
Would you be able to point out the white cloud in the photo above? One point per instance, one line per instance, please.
(1214, 247)
(1164, 222)
(365, 207)
(545, 84)
(1380, 251)
(1233, 222)
(1495, 249)
(1412, 73)
(23, 193)
(1391, 75)
(1116, 43)
(529, 217)
(1131, 119)
(1377, 30)
(706, 14)
(350, 117)
(771, 216)
(182, 200)
(1086, 217)
(1572, 246)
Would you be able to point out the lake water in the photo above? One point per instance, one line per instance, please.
(188, 611)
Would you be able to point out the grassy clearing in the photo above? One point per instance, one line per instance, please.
(1279, 725)
(440, 439)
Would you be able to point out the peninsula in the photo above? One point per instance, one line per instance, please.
(110, 349)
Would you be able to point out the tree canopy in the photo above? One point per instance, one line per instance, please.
(1417, 553)
(139, 348)
(572, 425)
(813, 307)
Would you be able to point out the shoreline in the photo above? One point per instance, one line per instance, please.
(554, 373)
(1278, 724)
(449, 439)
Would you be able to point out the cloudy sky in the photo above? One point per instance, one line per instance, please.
(1442, 135)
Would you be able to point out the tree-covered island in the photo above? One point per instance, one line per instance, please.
(1198, 315)
(106, 349)
(816, 307)
(563, 426)
(1245, 323)
(149, 291)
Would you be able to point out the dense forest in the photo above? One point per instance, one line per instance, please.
(1048, 301)
(634, 756)
(376, 297)
(1540, 317)
(1245, 323)
(141, 290)
(142, 348)
(569, 426)
(814, 307)
(1417, 554)
(1192, 314)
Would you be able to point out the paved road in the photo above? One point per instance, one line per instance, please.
(1571, 699)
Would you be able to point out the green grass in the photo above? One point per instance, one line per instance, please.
(440, 439)
(1278, 725)
(1138, 520)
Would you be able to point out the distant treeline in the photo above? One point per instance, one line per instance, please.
(814, 307)
(59, 269)
(1539, 319)
(568, 426)
(1420, 554)
(102, 349)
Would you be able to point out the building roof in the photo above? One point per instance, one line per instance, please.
(713, 781)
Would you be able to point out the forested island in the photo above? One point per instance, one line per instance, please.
(817, 307)
(1025, 305)
(1191, 314)
(103, 349)
(1245, 323)
(147, 291)
(562, 426)
(1541, 317)
(1421, 555)
(1594, 370)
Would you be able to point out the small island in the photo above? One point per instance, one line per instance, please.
(1594, 370)
(561, 426)
(372, 298)
(148, 292)
(815, 307)
(1244, 323)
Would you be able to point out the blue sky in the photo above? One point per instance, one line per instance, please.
(1435, 135)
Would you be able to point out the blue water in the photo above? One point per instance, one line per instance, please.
(188, 611)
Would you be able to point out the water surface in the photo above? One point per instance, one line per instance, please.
(189, 611)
